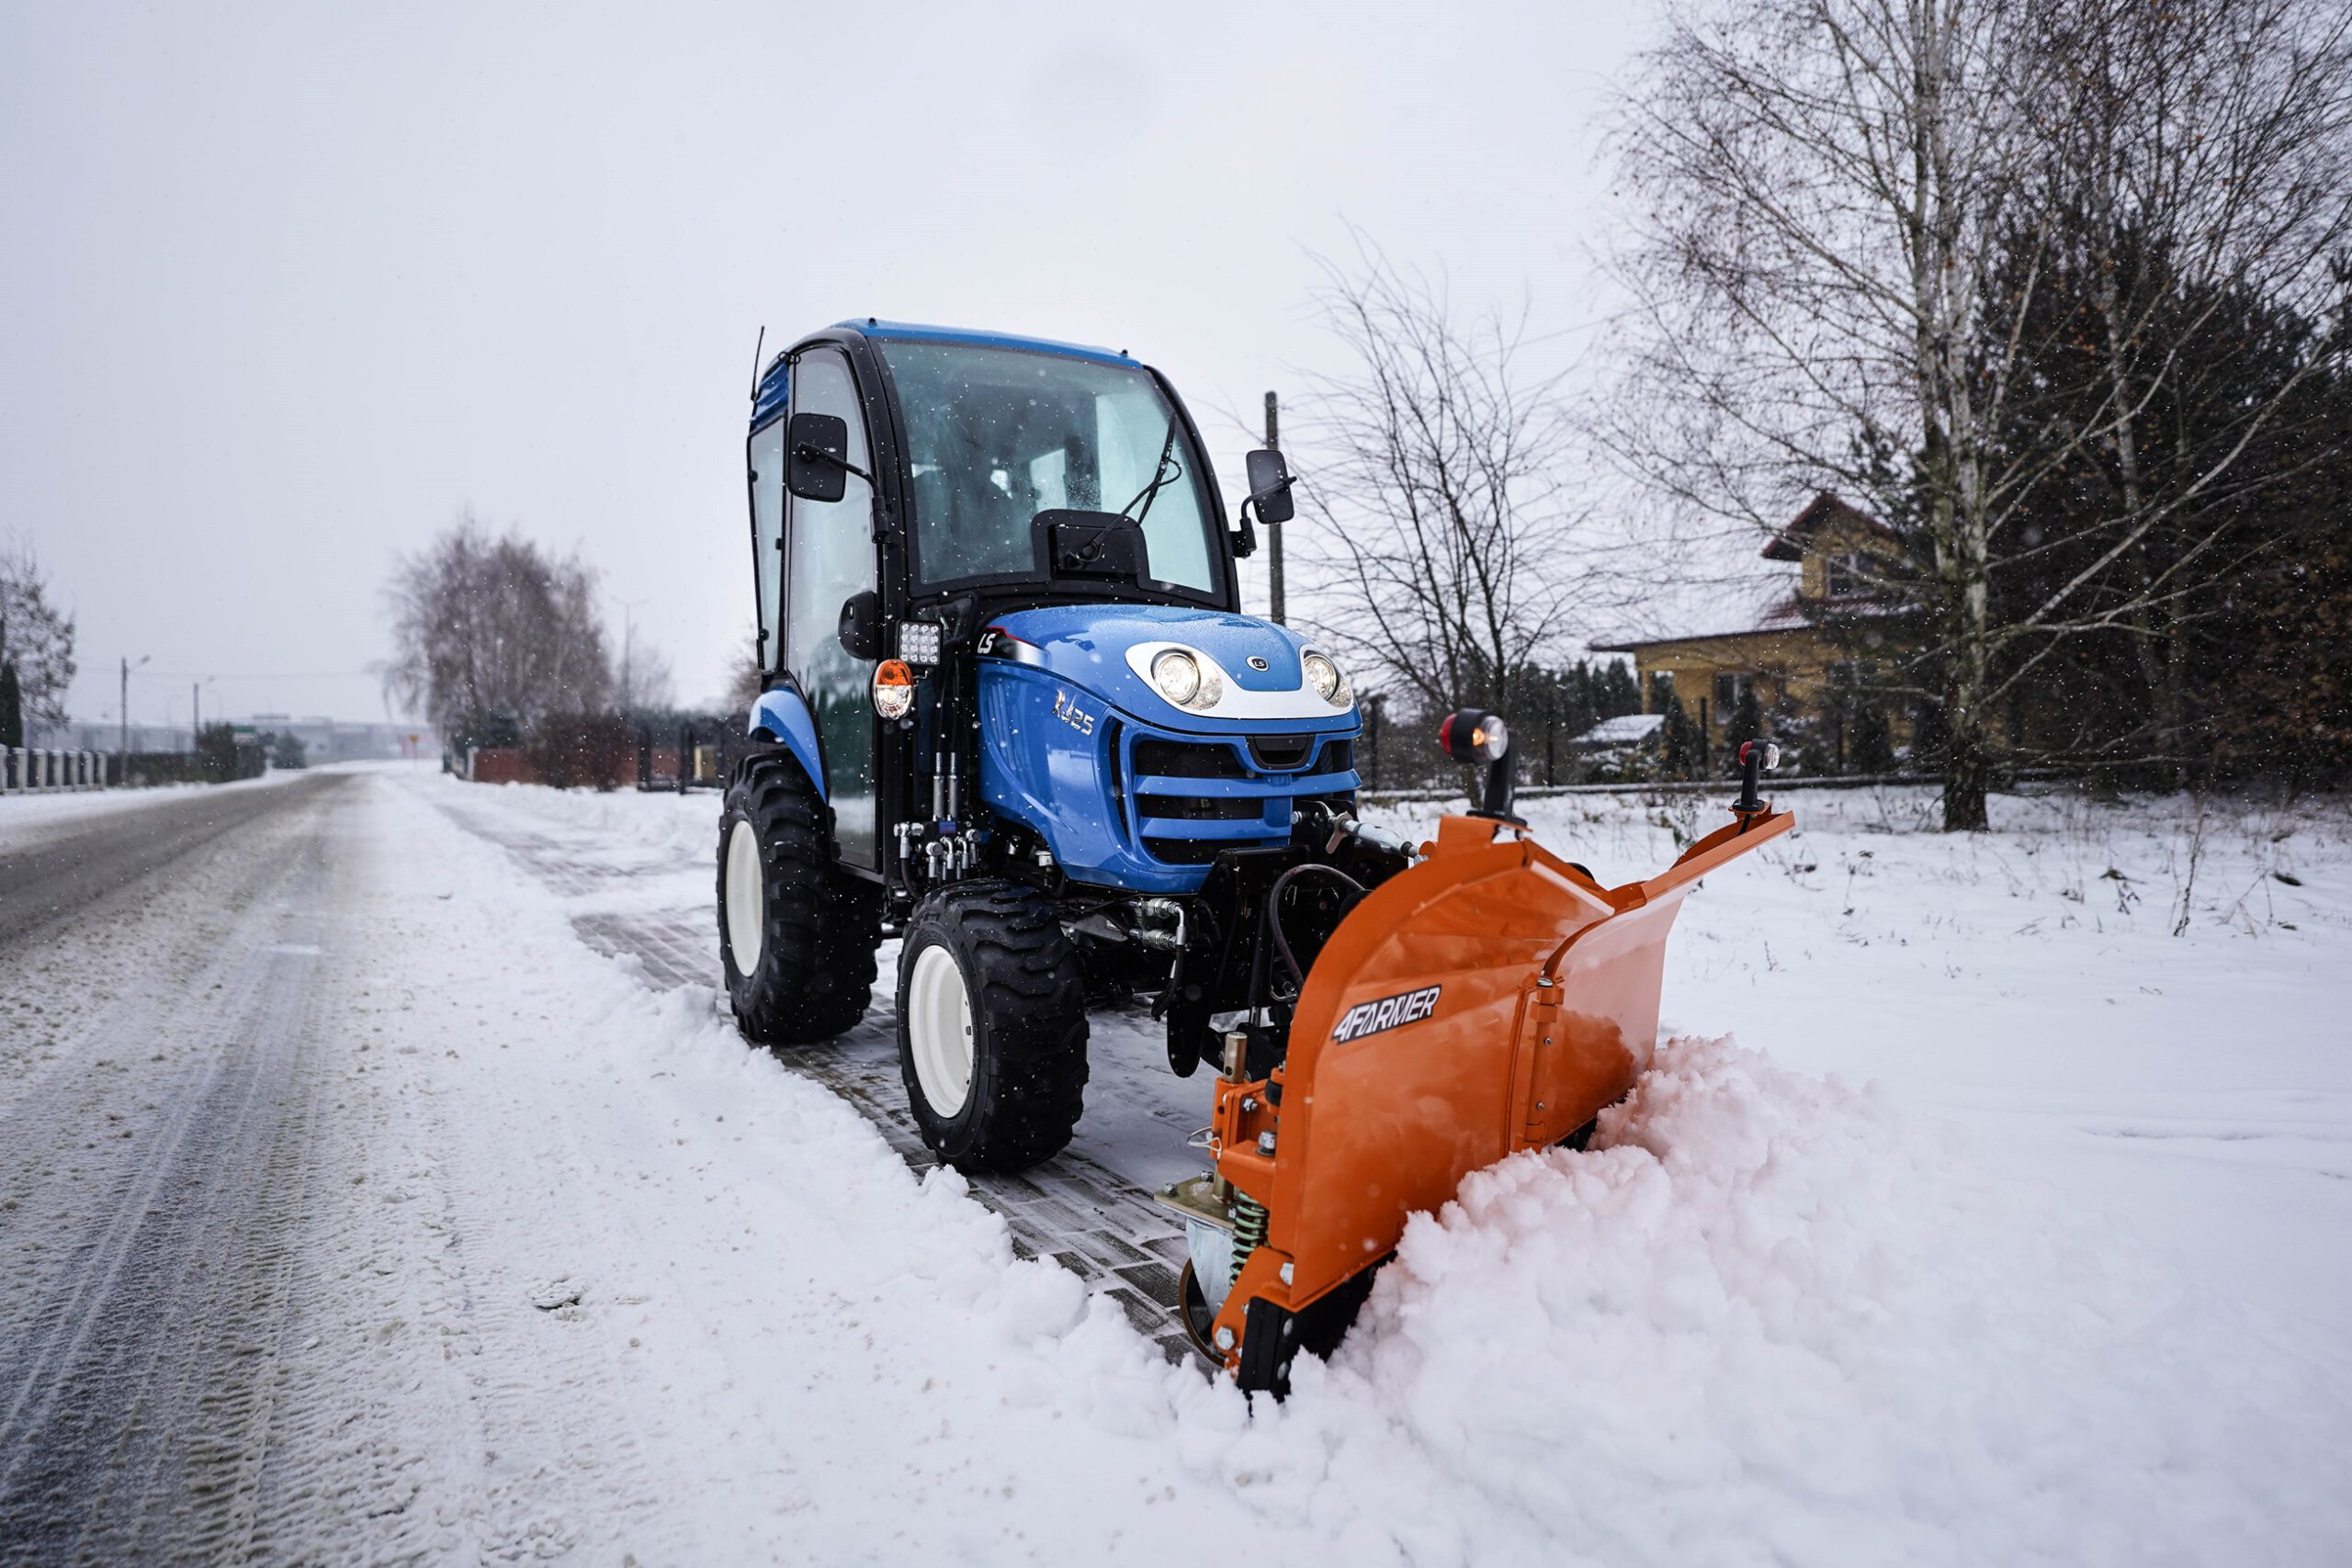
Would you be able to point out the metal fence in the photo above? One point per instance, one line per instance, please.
(700, 754)
(25, 770)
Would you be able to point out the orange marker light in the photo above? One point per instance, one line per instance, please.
(894, 688)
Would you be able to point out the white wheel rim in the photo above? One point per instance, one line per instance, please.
(939, 1031)
(746, 919)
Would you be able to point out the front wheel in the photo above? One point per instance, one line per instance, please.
(992, 1026)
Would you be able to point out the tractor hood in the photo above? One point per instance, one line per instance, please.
(1107, 649)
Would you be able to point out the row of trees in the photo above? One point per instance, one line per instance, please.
(2059, 290)
(498, 642)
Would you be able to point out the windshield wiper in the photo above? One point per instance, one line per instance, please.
(1161, 478)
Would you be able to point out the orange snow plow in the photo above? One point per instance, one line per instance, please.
(1491, 998)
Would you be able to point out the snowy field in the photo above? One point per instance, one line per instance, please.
(2140, 1009)
(1973, 1216)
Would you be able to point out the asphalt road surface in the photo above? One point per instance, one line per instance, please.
(266, 1292)
(158, 1017)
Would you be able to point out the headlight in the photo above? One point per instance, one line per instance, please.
(1186, 680)
(1329, 683)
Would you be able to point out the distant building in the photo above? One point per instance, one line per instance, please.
(1625, 729)
(324, 740)
(336, 740)
(1803, 644)
(1626, 747)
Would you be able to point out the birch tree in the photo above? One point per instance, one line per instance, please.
(1823, 187)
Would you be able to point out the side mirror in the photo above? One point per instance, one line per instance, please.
(1270, 486)
(860, 630)
(817, 456)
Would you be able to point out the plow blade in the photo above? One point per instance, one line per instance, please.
(1492, 998)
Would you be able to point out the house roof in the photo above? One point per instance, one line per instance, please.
(1751, 601)
(1823, 511)
(1625, 729)
(1766, 603)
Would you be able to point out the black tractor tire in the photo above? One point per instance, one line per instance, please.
(810, 975)
(1022, 1008)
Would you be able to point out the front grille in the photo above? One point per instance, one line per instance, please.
(1202, 808)
(1256, 776)
(1194, 852)
(1187, 759)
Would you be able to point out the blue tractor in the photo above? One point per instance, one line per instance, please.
(1014, 713)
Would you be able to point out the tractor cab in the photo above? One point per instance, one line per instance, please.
(1000, 617)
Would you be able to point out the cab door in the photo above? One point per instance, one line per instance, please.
(829, 554)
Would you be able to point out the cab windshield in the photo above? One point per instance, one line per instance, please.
(996, 435)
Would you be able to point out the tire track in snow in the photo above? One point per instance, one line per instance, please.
(1087, 1217)
(139, 1356)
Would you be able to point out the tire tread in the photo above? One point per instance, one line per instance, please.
(820, 925)
(1031, 1004)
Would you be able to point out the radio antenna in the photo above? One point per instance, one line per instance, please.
(758, 345)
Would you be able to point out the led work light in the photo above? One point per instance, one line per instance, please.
(919, 641)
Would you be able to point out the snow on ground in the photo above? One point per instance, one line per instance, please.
(2063, 1285)
(2195, 1089)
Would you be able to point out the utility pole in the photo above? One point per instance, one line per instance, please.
(1274, 534)
(124, 712)
(195, 720)
(628, 647)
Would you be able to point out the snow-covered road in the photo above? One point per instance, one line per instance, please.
(473, 1232)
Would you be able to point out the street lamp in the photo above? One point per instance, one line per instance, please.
(628, 644)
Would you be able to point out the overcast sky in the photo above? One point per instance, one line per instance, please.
(287, 287)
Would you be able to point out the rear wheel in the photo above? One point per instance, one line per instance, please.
(797, 933)
(992, 1026)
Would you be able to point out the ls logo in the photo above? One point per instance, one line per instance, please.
(1065, 709)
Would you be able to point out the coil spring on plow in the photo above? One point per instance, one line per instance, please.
(1249, 1229)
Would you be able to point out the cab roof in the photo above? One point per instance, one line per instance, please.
(771, 393)
(916, 333)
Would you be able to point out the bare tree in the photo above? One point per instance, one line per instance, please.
(1444, 553)
(494, 636)
(1850, 214)
(747, 674)
(36, 637)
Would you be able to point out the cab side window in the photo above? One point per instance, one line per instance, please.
(766, 455)
(829, 556)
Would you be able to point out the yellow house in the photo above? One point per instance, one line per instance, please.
(1793, 664)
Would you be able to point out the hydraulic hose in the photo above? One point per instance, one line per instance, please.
(1275, 915)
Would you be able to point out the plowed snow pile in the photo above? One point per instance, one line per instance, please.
(1768, 1318)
